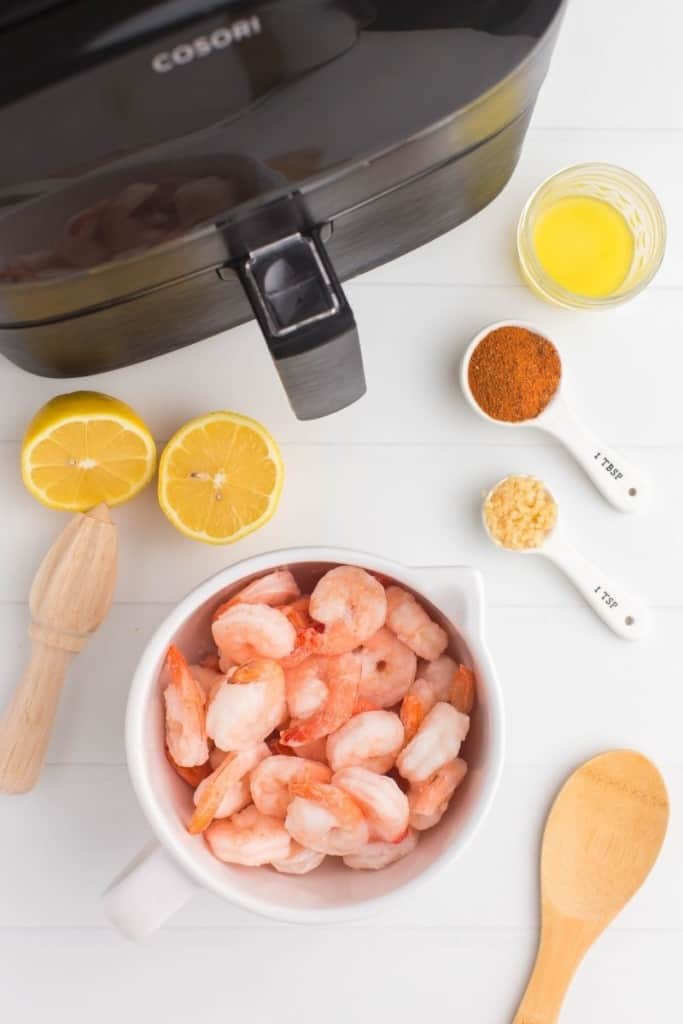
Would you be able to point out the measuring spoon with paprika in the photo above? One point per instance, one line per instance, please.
(511, 374)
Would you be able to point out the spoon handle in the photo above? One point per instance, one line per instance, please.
(623, 613)
(563, 944)
(621, 484)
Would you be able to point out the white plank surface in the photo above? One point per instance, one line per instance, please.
(401, 474)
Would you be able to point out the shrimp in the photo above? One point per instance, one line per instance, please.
(307, 631)
(341, 675)
(248, 838)
(218, 787)
(208, 678)
(428, 801)
(352, 606)
(387, 669)
(274, 589)
(271, 779)
(192, 776)
(384, 805)
(462, 691)
(185, 724)
(316, 750)
(363, 704)
(235, 798)
(376, 855)
(443, 680)
(300, 861)
(247, 631)
(306, 687)
(247, 707)
(411, 624)
(419, 700)
(324, 818)
(371, 739)
(440, 674)
(437, 741)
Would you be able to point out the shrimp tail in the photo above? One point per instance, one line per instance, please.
(462, 690)
(412, 715)
(210, 800)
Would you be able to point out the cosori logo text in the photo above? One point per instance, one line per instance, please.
(204, 46)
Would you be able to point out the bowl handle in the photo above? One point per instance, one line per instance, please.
(149, 890)
(459, 592)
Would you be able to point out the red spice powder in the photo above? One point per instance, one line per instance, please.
(513, 374)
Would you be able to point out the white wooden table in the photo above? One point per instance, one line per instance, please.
(400, 474)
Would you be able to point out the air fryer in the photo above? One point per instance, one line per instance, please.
(171, 169)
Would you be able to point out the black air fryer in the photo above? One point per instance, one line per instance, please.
(170, 169)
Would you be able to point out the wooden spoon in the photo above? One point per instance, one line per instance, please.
(70, 597)
(601, 839)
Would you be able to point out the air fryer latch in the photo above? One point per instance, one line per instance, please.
(307, 322)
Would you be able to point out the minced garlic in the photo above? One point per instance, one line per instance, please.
(520, 513)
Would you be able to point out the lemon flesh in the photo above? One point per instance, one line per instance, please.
(220, 477)
(85, 448)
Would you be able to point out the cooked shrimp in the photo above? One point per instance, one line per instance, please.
(428, 801)
(208, 678)
(387, 669)
(325, 819)
(276, 588)
(442, 680)
(374, 856)
(300, 861)
(185, 724)
(341, 675)
(247, 631)
(271, 779)
(314, 751)
(384, 805)
(248, 838)
(306, 687)
(419, 700)
(462, 691)
(362, 704)
(371, 739)
(192, 776)
(307, 631)
(247, 707)
(218, 786)
(235, 798)
(411, 624)
(352, 606)
(440, 674)
(437, 741)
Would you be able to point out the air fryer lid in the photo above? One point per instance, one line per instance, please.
(149, 126)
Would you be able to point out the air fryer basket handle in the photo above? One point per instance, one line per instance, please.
(307, 323)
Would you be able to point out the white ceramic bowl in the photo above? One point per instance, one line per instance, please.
(163, 878)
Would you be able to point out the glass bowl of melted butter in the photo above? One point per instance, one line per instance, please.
(591, 236)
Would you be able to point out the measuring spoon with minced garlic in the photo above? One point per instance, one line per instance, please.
(622, 485)
(520, 514)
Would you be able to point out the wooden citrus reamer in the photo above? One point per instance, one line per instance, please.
(69, 598)
(602, 837)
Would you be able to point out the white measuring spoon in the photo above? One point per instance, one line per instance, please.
(618, 609)
(622, 485)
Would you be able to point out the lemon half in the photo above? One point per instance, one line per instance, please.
(85, 448)
(220, 477)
